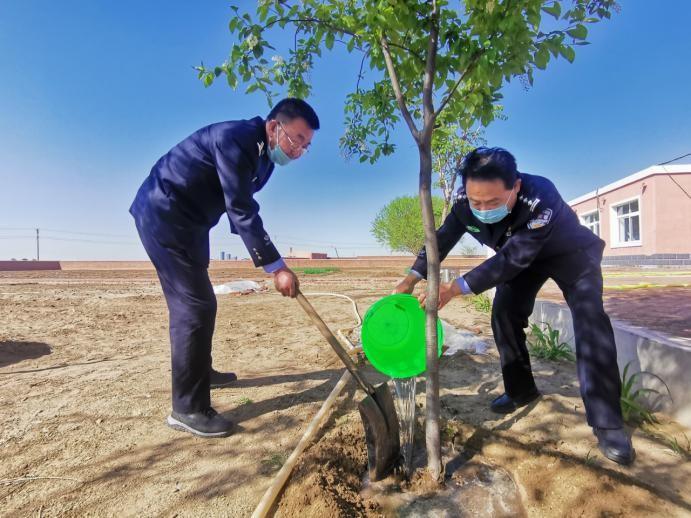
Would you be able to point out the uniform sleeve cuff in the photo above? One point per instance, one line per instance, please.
(416, 274)
(465, 289)
(276, 265)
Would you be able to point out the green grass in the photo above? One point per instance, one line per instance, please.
(481, 303)
(633, 410)
(546, 344)
(316, 271)
(637, 414)
(682, 449)
(245, 401)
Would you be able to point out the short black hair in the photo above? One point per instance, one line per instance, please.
(291, 108)
(489, 163)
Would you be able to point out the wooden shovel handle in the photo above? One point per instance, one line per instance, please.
(334, 343)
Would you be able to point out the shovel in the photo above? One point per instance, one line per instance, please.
(377, 410)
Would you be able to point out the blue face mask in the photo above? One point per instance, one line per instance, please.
(277, 155)
(493, 215)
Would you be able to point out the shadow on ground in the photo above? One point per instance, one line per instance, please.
(15, 352)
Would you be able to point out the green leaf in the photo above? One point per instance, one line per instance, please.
(541, 58)
(579, 32)
(568, 52)
(232, 79)
(329, 40)
(554, 10)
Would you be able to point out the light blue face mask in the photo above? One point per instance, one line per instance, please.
(277, 155)
(493, 215)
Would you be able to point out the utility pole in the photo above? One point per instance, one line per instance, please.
(38, 255)
(336, 249)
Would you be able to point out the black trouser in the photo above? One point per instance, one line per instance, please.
(192, 317)
(596, 354)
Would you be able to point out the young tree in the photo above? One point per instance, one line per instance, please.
(398, 226)
(428, 61)
(450, 144)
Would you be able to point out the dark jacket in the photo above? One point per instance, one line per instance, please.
(215, 170)
(541, 231)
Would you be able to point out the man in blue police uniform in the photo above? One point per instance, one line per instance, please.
(536, 236)
(215, 170)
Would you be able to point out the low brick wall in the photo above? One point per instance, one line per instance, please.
(648, 260)
(24, 266)
(401, 262)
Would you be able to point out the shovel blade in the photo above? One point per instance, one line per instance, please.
(380, 420)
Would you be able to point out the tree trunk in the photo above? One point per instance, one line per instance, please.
(432, 436)
(445, 209)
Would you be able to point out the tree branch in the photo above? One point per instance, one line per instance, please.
(397, 88)
(471, 66)
(336, 28)
(359, 75)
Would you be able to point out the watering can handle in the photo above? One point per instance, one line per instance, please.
(335, 344)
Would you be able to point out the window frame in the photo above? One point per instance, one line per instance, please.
(614, 223)
(599, 222)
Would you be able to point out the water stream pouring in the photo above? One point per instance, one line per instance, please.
(377, 410)
(393, 339)
(405, 406)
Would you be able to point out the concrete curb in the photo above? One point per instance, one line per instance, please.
(669, 357)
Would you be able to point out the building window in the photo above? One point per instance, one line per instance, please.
(592, 221)
(627, 224)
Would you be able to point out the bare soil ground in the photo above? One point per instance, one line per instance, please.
(84, 392)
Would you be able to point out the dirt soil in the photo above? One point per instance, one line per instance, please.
(84, 384)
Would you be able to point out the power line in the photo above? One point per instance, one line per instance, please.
(289, 240)
(675, 159)
(325, 243)
(69, 232)
(85, 233)
(91, 241)
(73, 239)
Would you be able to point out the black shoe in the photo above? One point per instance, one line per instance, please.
(615, 444)
(221, 379)
(506, 404)
(207, 423)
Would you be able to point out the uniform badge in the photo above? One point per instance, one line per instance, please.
(260, 148)
(541, 220)
(472, 228)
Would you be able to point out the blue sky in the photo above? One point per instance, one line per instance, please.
(93, 93)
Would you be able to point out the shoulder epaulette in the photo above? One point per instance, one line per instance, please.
(532, 203)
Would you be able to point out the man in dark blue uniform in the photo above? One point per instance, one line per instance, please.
(215, 170)
(536, 236)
